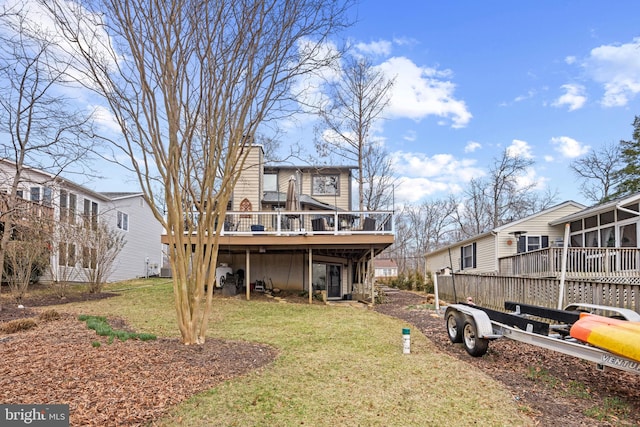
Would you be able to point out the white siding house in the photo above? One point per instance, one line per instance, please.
(142, 254)
(72, 206)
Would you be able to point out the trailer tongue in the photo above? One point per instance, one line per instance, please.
(475, 326)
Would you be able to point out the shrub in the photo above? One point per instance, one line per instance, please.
(49, 315)
(18, 325)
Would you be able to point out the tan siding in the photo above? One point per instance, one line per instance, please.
(485, 255)
(538, 226)
(249, 184)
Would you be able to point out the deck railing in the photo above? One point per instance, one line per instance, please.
(26, 211)
(308, 222)
(581, 262)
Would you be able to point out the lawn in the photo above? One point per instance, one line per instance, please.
(337, 365)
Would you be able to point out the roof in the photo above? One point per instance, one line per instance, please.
(280, 198)
(60, 181)
(316, 168)
(120, 195)
(596, 209)
(510, 224)
(384, 263)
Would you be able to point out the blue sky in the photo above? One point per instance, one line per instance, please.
(549, 80)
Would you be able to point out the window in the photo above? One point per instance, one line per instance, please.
(591, 239)
(576, 225)
(35, 194)
(607, 217)
(325, 185)
(64, 207)
(270, 182)
(607, 237)
(67, 254)
(468, 256)
(122, 221)
(90, 214)
(532, 243)
(591, 221)
(73, 203)
(46, 196)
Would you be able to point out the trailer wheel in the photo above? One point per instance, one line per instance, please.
(455, 322)
(474, 345)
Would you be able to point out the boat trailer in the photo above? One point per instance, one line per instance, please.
(475, 326)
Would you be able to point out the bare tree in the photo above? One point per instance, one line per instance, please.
(43, 129)
(100, 246)
(356, 102)
(28, 251)
(508, 194)
(190, 83)
(378, 178)
(474, 213)
(61, 273)
(423, 229)
(597, 171)
(504, 195)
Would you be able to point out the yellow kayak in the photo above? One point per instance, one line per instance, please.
(620, 337)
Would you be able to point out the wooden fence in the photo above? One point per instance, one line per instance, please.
(493, 291)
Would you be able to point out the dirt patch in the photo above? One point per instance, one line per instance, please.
(554, 389)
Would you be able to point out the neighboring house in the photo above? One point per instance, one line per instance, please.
(481, 254)
(385, 268)
(70, 207)
(293, 226)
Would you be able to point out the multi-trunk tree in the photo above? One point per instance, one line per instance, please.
(190, 84)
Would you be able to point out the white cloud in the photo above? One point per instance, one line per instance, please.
(426, 175)
(617, 68)
(410, 135)
(569, 147)
(519, 148)
(548, 158)
(412, 190)
(105, 118)
(419, 92)
(531, 178)
(472, 146)
(574, 97)
(380, 47)
(570, 60)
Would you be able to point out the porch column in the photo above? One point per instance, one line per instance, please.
(247, 276)
(371, 274)
(310, 278)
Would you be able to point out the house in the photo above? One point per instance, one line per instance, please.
(385, 268)
(70, 208)
(293, 228)
(481, 254)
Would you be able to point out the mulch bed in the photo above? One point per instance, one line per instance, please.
(135, 382)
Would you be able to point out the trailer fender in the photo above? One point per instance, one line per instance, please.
(484, 328)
